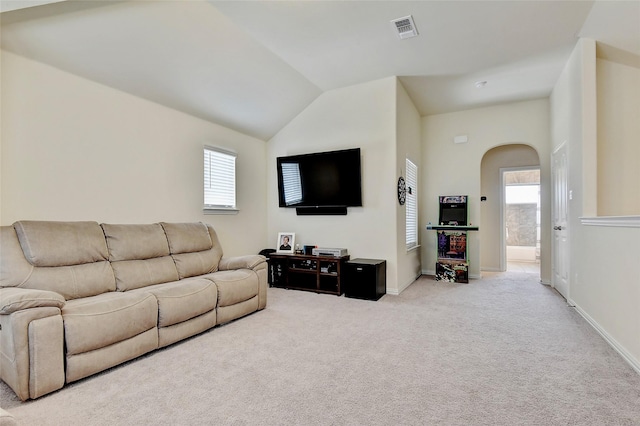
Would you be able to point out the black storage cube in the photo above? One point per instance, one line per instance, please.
(365, 279)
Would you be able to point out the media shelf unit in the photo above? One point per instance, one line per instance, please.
(321, 274)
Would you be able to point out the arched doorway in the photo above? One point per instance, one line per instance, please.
(493, 244)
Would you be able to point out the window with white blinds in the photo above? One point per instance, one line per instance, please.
(412, 205)
(219, 179)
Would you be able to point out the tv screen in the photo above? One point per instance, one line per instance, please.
(453, 215)
(323, 179)
(453, 210)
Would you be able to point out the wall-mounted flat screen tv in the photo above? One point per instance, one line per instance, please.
(322, 182)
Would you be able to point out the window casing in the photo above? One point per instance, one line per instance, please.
(411, 205)
(219, 180)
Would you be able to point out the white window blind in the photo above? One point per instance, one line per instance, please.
(291, 183)
(412, 205)
(219, 179)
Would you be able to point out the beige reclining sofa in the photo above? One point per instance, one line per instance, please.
(77, 298)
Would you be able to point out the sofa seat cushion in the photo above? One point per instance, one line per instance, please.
(99, 321)
(182, 300)
(235, 286)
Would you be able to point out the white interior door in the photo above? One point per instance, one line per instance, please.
(560, 210)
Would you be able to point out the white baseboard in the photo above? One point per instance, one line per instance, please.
(403, 287)
(634, 363)
(408, 283)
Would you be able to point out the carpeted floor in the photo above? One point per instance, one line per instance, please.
(504, 350)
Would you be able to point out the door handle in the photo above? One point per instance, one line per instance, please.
(557, 228)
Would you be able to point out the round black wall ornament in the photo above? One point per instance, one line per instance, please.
(402, 190)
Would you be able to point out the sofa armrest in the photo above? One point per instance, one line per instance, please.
(251, 261)
(14, 299)
(258, 264)
(32, 349)
(31, 341)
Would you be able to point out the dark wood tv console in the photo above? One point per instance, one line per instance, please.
(321, 274)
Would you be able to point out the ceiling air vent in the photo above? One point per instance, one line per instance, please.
(405, 27)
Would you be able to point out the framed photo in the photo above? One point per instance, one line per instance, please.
(286, 242)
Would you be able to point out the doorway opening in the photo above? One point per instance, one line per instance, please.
(521, 218)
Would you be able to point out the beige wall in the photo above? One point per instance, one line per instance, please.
(603, 281)
(455, 169)
(361, 116)
(618, 94)
(76, 150)
(408, 145)
(491, 219)
(606, 287)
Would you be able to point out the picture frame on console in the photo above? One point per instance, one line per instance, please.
(286, 242)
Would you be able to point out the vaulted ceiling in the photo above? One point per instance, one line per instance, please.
(254, 65)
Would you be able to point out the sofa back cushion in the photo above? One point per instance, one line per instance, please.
(74, 281)
(14, 268)
(187, 237)
(133, 242)
(194, 247)
(69, 258)
(139, 255)
(61, 243)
